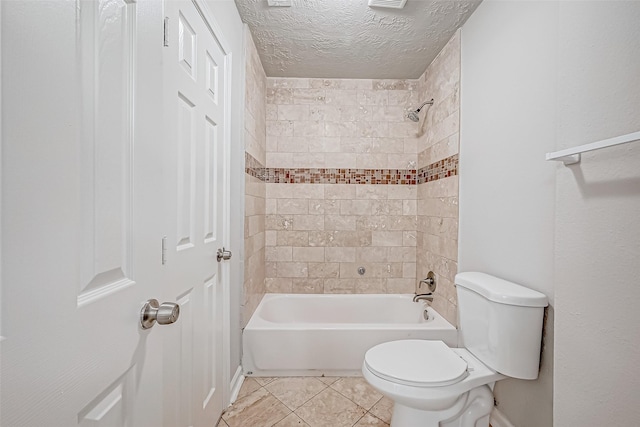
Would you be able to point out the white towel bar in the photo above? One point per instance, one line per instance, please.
(571, 156)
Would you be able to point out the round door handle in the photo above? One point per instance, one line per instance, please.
(152, 312)
(223, 254)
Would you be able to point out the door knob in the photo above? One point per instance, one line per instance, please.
(152, 312)
(223, 254)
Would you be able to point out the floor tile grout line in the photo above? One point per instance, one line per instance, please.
(376, 417)
(223, 423)
(300, 406)
(290, 412)
(356, 403)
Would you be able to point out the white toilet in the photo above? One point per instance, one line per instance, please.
(432, 385)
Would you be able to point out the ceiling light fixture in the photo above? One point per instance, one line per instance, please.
(280, 3)
(393, 4)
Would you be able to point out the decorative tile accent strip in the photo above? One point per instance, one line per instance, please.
(438, 170)
(253, 167)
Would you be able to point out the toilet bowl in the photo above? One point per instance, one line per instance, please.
(433, 385)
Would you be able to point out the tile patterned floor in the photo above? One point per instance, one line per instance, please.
(308, 402)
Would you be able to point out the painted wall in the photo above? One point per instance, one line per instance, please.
(507, 190)
(597, 381)
(226, 15)
(536, 77)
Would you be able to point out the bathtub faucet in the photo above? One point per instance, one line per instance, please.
(428, 297)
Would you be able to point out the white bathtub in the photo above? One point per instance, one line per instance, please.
(293, 334)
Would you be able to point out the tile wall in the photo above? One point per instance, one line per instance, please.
(351, 182)
(342, 134)
(255, 148)
(437, 200)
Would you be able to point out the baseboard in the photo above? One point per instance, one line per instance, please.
(498, 419)
(236, 383)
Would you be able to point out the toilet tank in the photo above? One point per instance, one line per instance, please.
(500, 322)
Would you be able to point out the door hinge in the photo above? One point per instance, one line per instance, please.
(166, 31)
(164, 250)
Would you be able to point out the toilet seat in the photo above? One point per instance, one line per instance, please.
(424, 363)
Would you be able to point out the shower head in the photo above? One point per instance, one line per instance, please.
(413, 115)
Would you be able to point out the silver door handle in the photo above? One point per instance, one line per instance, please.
(152, 312)
(223, 254)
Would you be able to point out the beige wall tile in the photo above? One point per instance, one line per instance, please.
(409, 270)
(280, 127)
(256, 112)
(386, 238)
(327, 113)
(372, 97)
(282, 82)
(371, 286)
(308, 128)
(292, 238)
(292, 112)
(308, 160)
(270, 237)
(278, 285)
(326, 144)
(409, 207)
(372, 254)
(324, 206)
(373, 270)
(307, 286)
(279, 160)
(340, 191)
(308, 254)
(340, 160)
(308, 222)
(292, 269)
(388, 145)
(370, 192)
(318, 234)
(279, 222)
(324, 269)
(340, 222)
(341, 97)
(293, 144)
(373, 222)
(334, 254)
(400, 286)
(278, 253)
(339, 238)
(292, 206)
(339, 286)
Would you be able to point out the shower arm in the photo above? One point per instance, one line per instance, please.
(424, 103)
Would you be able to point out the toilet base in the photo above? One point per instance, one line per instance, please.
(472, 409)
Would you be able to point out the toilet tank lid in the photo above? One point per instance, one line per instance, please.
(500, 290)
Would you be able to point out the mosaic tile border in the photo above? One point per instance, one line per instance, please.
(438, 170)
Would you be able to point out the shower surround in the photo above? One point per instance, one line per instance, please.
(351, 182)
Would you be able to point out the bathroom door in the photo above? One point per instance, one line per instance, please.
(197, 130)
(81, 234)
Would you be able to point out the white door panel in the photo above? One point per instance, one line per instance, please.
(80, 229)
(195, 97)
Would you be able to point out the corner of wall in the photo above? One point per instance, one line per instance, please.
(437, 200)
(254, 193)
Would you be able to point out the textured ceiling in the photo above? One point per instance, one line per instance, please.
(348, 39)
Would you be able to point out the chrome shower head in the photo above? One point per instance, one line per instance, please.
(413, 115)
